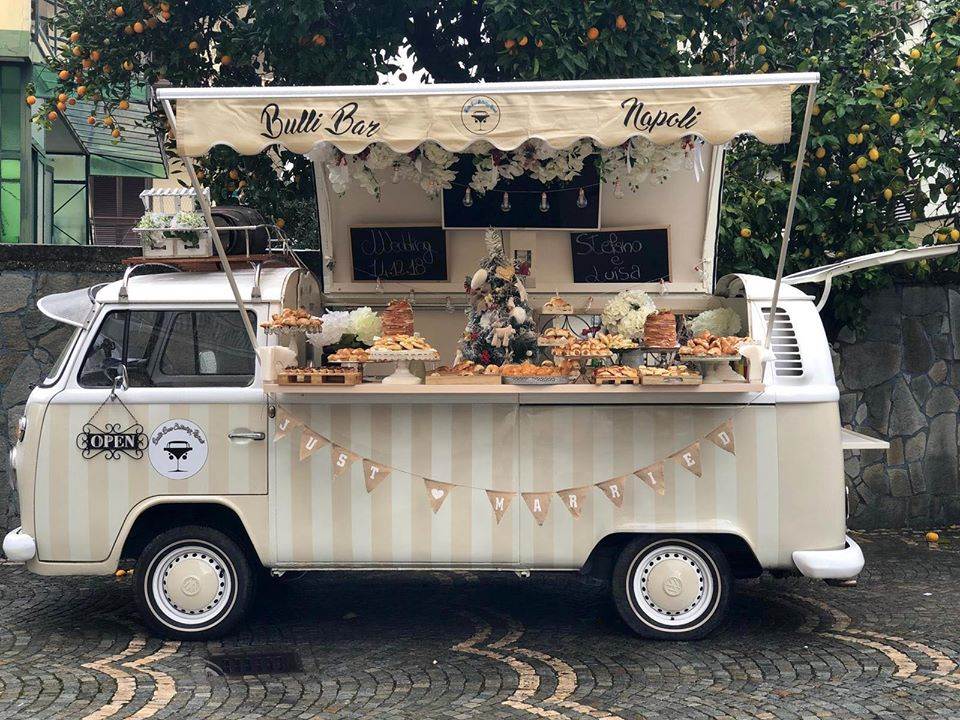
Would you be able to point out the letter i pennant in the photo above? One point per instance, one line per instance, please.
(652, 475)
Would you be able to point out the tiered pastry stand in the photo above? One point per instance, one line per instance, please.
(290, 334)
(403, 358)
(662, 356)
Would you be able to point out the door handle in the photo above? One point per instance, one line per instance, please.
(247, 435)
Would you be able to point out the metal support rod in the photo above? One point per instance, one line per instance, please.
(791, 206)
(204, 202)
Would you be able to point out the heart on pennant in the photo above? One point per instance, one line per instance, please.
(689, 458)
(373, 474)
(437, 492)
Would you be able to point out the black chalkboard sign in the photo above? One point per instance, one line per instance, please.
(621, 255)
(406, 252)
(524, 196)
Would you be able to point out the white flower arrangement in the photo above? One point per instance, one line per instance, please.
(719, 321)
(627, 312)
(365, 324)
(336, 323)
(648, 162)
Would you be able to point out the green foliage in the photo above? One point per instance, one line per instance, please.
(885, 136)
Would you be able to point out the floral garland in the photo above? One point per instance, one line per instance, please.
(635, 162)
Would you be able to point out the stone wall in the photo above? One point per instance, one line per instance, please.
(29, 342)
(898, 380)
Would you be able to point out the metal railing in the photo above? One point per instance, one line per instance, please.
(45, 34)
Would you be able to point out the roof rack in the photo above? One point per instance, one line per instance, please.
(132, 270)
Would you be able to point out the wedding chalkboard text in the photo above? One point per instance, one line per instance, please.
(399, 253)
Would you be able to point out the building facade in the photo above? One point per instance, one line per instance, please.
(72, 184)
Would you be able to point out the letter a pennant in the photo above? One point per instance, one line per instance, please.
(689, 458)
(374, 474)
(310, 442)
(652, 475)
(500, 502)
(613, 489)
(539, 505)
(722, 437)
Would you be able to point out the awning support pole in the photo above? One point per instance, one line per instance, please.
(204, 203)
(791, 206)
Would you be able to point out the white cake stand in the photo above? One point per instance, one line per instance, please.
(403, 358)
(715, 369)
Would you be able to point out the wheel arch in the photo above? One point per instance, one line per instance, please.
(743, 560)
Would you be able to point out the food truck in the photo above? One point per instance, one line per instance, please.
(196, 426)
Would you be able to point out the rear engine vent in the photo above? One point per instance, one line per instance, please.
(784, 344)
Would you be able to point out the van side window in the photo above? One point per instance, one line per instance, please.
(171, 348)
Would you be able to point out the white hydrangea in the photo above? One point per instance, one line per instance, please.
(627, 312)
(720, 321)
(336, 323)
(365, 324)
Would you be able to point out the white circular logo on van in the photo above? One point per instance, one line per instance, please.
(480, 115)
(178, 449)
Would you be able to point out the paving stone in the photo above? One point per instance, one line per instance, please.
(914, 447)
(869, 363)
(877, 400)
(942, 399)
(938, 373)
(15, 290)
(940, 460)
(917, 350)
(905, 415)
(899, 482)
(895, 451)
(923, 299)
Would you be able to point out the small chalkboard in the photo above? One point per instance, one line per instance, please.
(621, 255)
(399, 252)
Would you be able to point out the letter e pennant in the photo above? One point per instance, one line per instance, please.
(499, 501)
(437, 492)
(689, 458)
(722, 437)
(613, 489)
(652, 475)
(341, 459)
(373, 474)
(539, 504)
(310, 442)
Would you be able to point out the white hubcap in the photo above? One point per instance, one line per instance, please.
(672, 585)
(192, 584)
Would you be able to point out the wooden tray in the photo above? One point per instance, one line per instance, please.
(462, 380)
(615, 381)
(662, 380)
(337, 380)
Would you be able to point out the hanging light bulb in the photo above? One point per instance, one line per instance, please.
(467, 198)
(544, 203)
(505, 205)
(395, 178)
(581, 199)
(618, 189)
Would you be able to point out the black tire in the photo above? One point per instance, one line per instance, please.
(690, 579)
(215, 568)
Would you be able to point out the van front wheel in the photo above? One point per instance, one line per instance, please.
(672, 588)
(193, 583)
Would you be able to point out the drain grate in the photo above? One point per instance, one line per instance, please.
(260, 662)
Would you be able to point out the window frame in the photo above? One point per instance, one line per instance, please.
(167, 313)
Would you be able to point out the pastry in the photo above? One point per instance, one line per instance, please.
(401, 342)
(706, 345)
(557, 305)
(660, 330)
(291, 318)
(529, 369)
(397, 318)
(350, 355)
(616, 372)
(591, 347)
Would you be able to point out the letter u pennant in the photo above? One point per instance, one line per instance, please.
(310, 442)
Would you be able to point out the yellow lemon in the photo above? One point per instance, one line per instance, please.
(822, 171)
(821, 152)
(745, 232)
(915, 53)
(887, 194)
(874, 154)
(955, 234)
(762, 50)
(894, 119)
(861, 162)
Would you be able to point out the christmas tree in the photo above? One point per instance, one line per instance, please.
(500, 325)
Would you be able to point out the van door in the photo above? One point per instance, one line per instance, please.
(192, 421)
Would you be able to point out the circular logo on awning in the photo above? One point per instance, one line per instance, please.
(480, 115)
(178, 449)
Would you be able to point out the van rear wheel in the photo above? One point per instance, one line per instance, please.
(672, 588)
(193, 583)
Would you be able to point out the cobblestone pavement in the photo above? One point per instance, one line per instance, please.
(398, 645)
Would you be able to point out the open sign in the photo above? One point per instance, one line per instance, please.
(112, 441)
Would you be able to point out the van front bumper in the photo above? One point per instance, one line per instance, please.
(18, 546)
(830, 564)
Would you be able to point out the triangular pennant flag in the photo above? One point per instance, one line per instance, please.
(539, 505)
(310, 442)
(284, 422)
(573, 499)
(652, 475)
(342, 459)
(689, 458)
(613, 489)
(722, 437)
(437, 492)
(374, 474)
(499, 501)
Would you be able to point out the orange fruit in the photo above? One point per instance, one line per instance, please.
(539, 43)
(124, 105)
(138, 27)
(91, 120)
(225, 59)
(509, 44)
(52, 115)
(128, 30)
(319, 40)
(115, 133)
(95, 55)
(621, 22)
(72, 101)
(593, 33)
(280, 223)
(194, 45)
(63, 74)
(87, 64)
(74, 36)
(932, 537)
(31, 99)
(127, 65)
(61, 106)
(523, 41)
(165, 15)
(119, 11)
(745, 232)
(108, 121)
(77, 51)
(82, 90)
(234, 174)
(62, 97)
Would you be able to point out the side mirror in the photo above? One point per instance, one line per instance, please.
(121, 380)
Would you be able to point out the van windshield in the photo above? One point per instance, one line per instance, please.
(57, 367)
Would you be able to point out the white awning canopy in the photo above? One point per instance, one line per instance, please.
(505, 115)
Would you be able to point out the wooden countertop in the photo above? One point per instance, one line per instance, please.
(525, 394)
